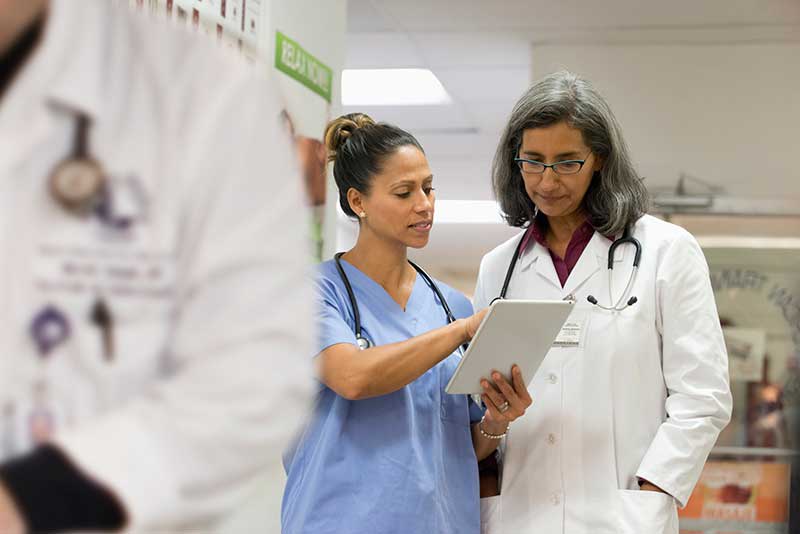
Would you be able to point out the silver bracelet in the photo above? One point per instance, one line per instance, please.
(490, 436)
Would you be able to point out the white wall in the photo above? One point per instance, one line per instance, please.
(728, 113)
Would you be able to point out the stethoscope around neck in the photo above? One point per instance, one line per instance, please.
(363, 342)
(617, 306)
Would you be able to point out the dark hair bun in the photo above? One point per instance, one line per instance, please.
(339, 131)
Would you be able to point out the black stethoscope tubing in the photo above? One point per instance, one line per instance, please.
(626, 238)
(363, 342)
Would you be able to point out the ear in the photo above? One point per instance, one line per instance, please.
(356, 200)
(598, 164)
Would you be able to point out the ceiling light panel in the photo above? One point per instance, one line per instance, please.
(392, 87)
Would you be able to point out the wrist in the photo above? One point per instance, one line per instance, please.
(495, 427)
(649, 486)
(488, 430)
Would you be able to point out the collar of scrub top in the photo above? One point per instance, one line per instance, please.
(364, 343)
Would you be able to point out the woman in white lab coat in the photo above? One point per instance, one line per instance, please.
(631, 401)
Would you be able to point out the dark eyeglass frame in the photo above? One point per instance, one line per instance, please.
(521, 161)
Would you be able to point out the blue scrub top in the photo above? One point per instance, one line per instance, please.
(398, 463)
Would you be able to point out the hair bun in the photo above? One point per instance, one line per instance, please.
(339, 131)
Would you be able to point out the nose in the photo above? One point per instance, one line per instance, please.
(549, 181)
(424, 202)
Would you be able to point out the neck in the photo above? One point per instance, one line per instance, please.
(386, 263)
(561, 229)
(20, 31)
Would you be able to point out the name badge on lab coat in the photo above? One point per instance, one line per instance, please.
(571, 334)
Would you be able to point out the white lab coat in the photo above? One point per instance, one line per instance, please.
(209, 289)
(645, 394)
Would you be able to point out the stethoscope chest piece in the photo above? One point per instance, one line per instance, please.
(77, 184)
(363, 343)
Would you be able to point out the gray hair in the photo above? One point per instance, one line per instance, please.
(616, 197)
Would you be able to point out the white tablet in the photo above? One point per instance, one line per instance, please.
(513, 332)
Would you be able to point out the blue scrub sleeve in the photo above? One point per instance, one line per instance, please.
(333, 321)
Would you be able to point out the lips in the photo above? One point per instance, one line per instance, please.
(550, 199)
(422, 226)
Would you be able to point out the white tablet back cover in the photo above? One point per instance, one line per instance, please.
(513, 332)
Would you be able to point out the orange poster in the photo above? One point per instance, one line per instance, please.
(739, 492)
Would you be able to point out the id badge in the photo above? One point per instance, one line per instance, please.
(571, 334)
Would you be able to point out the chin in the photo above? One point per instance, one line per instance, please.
(417, 243)
(554, 212)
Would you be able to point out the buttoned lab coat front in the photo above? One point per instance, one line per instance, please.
(208, 286)
(644, 394)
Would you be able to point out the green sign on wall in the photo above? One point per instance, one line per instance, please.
(294, 61)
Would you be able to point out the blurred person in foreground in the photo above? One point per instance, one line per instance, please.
(154, 289)
(632, 399)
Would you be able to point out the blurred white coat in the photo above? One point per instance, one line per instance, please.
(208, 286)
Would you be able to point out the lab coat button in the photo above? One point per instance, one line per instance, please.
(552, 378)
(551, 439)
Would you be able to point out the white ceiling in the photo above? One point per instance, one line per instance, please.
(497, 15)
(482, 52)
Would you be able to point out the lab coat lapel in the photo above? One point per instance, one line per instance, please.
(594, 259)
(588, 264)
(538, 259)
(48, 83)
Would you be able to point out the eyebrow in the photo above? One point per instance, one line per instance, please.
(410, 182)
(559, 157)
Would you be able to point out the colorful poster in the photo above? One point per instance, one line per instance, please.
(739, 498)
(296, 62)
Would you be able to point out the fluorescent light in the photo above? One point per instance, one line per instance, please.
(392, 87)
(467, 211)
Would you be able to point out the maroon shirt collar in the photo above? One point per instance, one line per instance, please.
(577, 244)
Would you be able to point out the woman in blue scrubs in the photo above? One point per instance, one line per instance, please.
(386, 450)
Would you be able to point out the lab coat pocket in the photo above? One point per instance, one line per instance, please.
(490, 515)
(648, 512)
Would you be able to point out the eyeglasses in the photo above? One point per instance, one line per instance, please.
(529, 166)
